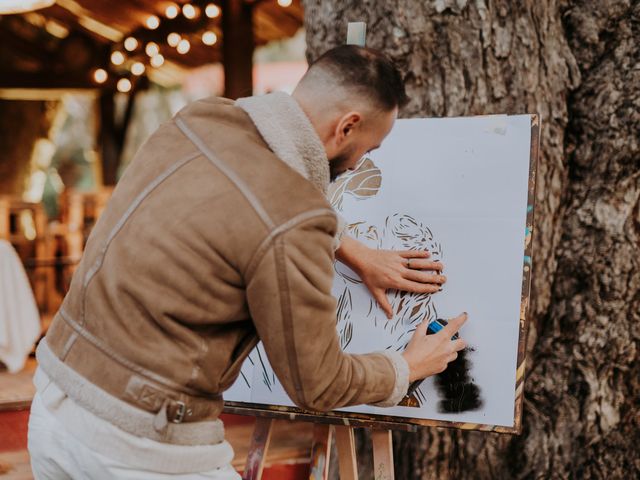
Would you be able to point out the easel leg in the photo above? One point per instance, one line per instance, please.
(382, 454)
(346, 446)
(319, 468)
(258, 450)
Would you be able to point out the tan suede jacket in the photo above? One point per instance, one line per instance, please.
(209, 242)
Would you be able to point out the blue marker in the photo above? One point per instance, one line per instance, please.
(437, 325)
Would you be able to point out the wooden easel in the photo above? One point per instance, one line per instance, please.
(321, 451)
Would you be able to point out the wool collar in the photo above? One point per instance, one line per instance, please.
(289, 134)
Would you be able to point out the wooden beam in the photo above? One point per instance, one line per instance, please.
(237, 48)
(44, 80)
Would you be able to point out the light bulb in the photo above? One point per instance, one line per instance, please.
(153, 22)
(124, 85)
(156, 61)
(171, 11)
(117, 58)
(100, 75)
(209, 38)
(212, 10)
(285, 3)
(152, 49)
(130, 44)
(189, 11)
(183, 46)
(137, 68)
(173, 39)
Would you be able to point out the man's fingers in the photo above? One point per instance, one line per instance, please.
(383, 302)
(417, 254)
(421, 329)
(425, 264)
(452, 357)
(417, 287)
(455, 324)
(459, 344)
(423, 277)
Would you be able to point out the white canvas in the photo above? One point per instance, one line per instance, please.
(457, 187)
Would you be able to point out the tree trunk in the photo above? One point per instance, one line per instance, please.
(575, 63)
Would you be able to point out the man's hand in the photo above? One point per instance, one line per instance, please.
(430, 354)
(406, 270)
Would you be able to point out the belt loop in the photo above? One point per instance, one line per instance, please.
(160, 422)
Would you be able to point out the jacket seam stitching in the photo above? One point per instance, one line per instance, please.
(285, 307)
(68, 344)
(105, 349)
(284, 228)
(227, 171)
(97, 265)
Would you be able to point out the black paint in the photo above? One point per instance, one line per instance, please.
(457, 391)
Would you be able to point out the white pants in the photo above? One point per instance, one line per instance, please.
(58, 455)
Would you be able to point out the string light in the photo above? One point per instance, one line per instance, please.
(152, 49)
(189, 11)
(212, 10)
(117, 58)
(153, 22)
(285, 3)
(124, 85)
(137, 68)
(171, 11)
(173, 39)
(100, 75)
(209, 38)
(157, 61)
(130, 44)
(183, 46)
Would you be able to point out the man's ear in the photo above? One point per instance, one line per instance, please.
(346, 126)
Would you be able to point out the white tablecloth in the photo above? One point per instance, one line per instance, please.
(19, 317)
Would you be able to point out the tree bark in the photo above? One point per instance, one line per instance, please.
(576, 63)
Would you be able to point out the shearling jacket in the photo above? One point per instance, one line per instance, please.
(209, 243)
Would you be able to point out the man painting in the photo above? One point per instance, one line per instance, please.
(218, 234)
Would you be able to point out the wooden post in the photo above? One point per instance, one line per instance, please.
(74, 218)
(4, 219)
(42, 276)
(237, 48)
(346, 447)
(108, 138)
(320, 451)
(258, 449)
(382, 454)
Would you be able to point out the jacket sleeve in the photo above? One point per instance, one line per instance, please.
(290, 300)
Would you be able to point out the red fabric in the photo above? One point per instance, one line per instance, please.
(230, 419)
(13, 430)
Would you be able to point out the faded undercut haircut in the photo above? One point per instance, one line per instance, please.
(365, 71)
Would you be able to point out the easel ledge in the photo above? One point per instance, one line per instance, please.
(329, 418)
(361, 420)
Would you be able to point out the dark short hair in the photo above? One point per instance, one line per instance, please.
(366, 70)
